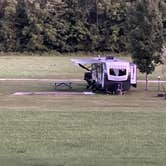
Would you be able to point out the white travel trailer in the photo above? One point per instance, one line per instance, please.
(108, 74)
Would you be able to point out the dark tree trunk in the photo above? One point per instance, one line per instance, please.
(146, 82)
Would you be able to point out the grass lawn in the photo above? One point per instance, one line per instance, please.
(37, 67)
(51, 67)
(98, 130)
(82, 139)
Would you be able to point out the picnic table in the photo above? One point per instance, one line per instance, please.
(63, 83)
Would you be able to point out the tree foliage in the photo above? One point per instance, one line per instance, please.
(163, 12)
(66, 25)
(7, 25)
(146, 35)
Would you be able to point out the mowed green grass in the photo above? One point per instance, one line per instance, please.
(136, 100)
(82, 139)
(76, 130)
(38, 67)
(52, 67)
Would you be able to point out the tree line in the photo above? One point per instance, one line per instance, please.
(67, 25)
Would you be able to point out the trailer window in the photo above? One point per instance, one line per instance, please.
(117, 72)
(122, 72)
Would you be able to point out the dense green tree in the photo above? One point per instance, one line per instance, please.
(163, 12)
(146, 35)
(22, 25)
(77, 35)
(7, 25)
(30, 26)
(53, 25)
(66, 25)
(112, 28)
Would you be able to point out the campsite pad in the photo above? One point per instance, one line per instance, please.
(52, 93)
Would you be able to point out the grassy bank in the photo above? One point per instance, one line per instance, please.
(81, 130)
(82, 139)
(76, 130)
(135, 100)
(50, 67)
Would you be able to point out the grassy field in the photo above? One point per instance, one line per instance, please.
(50, 67)
(76, 130)
(82, 139)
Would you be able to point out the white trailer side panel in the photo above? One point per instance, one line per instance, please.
(133, 70)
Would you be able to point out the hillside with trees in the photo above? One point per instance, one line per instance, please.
(68, 25)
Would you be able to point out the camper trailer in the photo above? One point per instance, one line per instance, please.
(108, 74)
